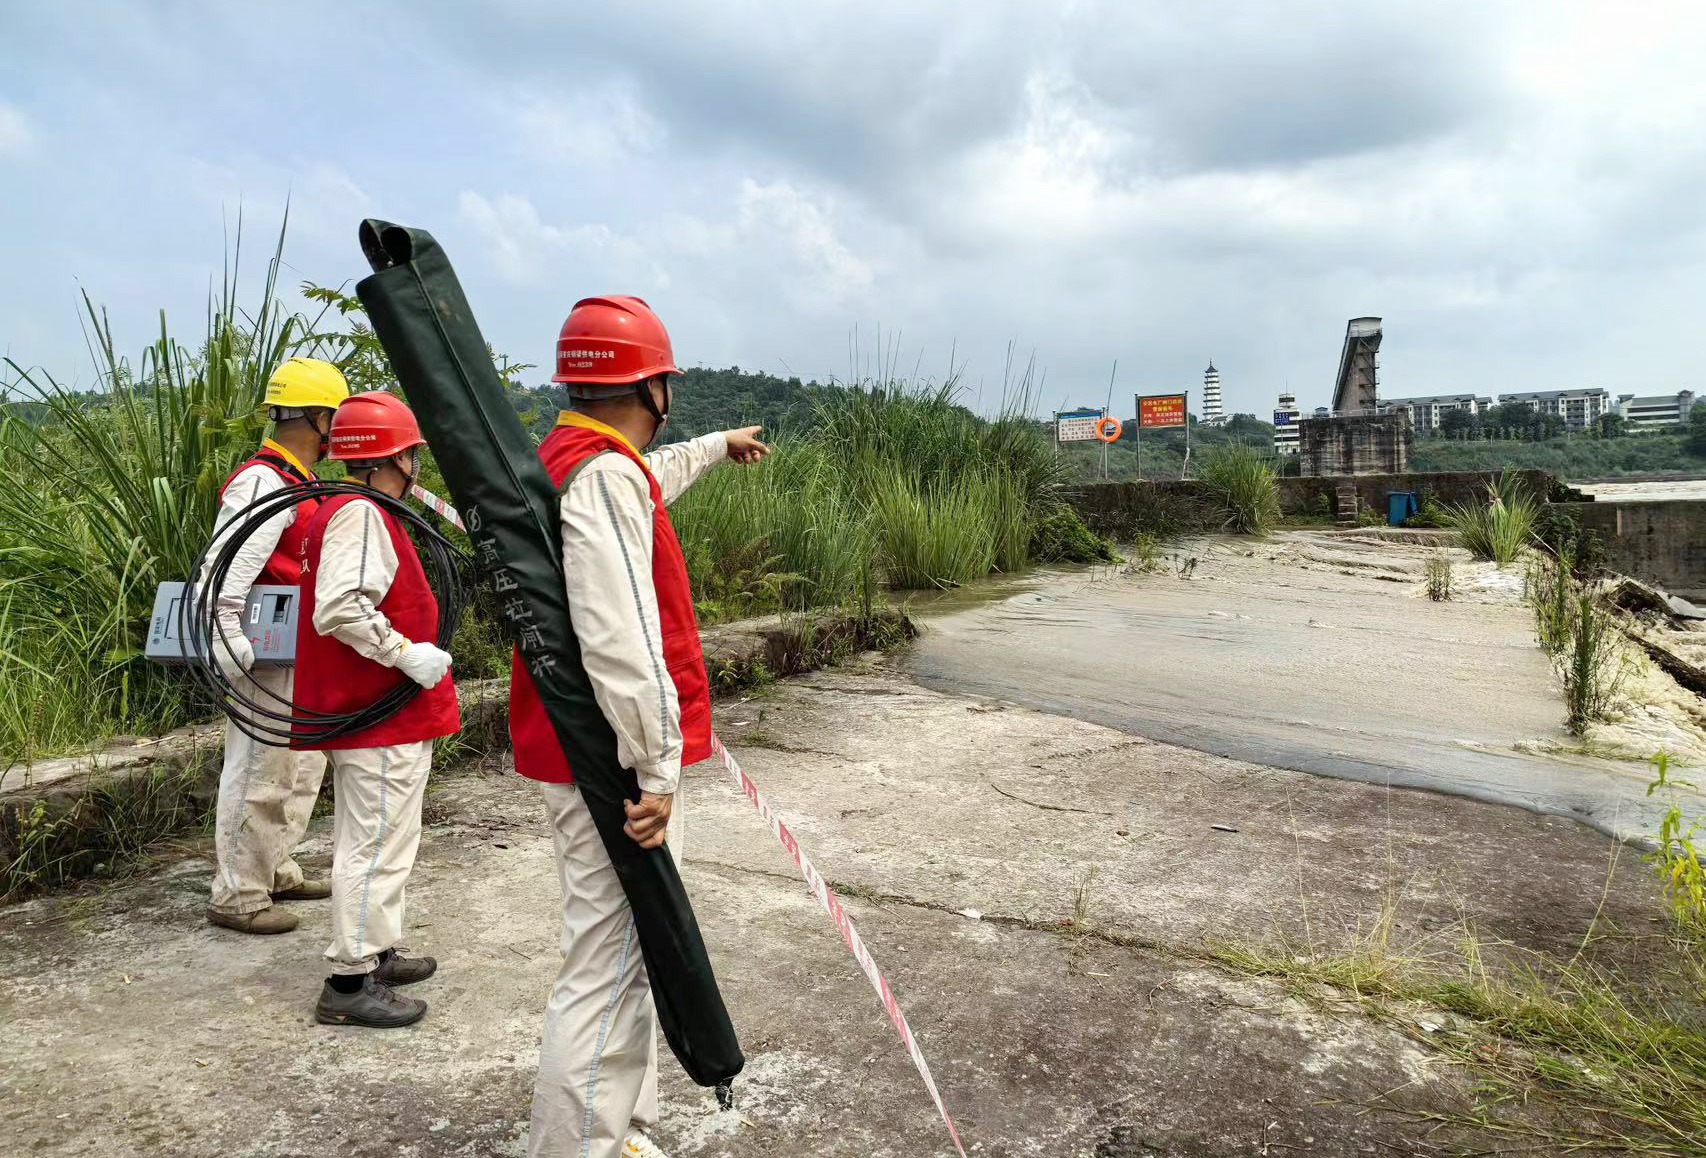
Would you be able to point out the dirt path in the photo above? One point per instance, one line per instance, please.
(1317, 653)
(1078, 1012)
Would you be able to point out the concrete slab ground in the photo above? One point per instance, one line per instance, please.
(1042, 892)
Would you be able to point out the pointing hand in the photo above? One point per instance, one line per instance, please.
(744, 445)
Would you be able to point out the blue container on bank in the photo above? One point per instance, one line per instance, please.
(1400, 505)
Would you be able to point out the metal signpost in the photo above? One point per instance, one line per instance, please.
(1162, 412)
(1083, 425)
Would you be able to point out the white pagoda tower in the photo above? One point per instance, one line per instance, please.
(1212, 415)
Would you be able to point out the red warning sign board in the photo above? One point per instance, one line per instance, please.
(1160, 410)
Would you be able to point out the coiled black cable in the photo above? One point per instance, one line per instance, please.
(271, 719)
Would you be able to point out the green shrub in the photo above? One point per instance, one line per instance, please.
(1502, 527)
(1245, 493)
(1566, 538)
(1431, 513)
(1145, 554)
(1062, 537)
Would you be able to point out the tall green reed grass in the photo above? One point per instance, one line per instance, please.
(897, 485)
(105, 494)
(1243, 484)
(939, 533)
(782, 535)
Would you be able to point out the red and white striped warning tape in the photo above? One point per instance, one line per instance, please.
(814, 880)
(437, 505)
(832, 905)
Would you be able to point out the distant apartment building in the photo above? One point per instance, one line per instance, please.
(1286, 418)
(1579, 409)
(1427, 412)
(1656, 410)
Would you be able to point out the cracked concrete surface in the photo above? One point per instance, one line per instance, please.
(1079, 1016)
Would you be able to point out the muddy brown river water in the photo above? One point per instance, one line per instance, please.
(1306, 652)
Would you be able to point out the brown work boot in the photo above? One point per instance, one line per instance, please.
(309, 890)
(396, 969)
(374, 1005)
(268, 920)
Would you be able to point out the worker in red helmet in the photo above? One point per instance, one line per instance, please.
(374, 622)
(632, 612)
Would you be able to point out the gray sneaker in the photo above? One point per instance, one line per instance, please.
(374, 1005)
(396, 969)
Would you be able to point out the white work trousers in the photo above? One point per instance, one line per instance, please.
(376, 831)
(266, 798)
(598, 1063)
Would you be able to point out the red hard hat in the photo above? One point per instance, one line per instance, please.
(373, 425)
(612, 341)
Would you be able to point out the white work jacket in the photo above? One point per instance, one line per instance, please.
(606, 514)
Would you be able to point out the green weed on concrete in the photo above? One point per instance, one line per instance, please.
(1437, 576)
(1592, 666)
(1677, 858)
(106, 830)
(1580, 635)
(1501, 528)
(1627, 1073)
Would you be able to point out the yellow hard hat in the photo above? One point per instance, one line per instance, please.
(307, 382)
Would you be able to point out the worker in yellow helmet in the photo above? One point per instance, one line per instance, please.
(267, 793)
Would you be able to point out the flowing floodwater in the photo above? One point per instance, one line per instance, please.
(1653, 490)
(1307, 653)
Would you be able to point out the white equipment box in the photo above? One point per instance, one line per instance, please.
(269, 621)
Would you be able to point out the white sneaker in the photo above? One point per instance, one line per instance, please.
(637, 1145)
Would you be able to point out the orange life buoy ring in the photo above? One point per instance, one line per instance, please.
(1108, 429)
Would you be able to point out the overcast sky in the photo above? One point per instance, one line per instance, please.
(1518, 188)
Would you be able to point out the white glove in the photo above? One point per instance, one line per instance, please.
(423, 663)
(236, 660)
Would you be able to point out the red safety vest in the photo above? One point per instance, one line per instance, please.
(285, 565)
(332, 677)
(538, 755)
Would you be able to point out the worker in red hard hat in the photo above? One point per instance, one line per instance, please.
(632, 611)
(374, 622)
(266, 791)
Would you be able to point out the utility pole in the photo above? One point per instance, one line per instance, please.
(1105, 410)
